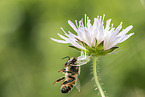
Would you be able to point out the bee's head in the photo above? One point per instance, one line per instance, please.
(71, 61)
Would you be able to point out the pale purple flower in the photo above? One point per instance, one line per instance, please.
(94, 34)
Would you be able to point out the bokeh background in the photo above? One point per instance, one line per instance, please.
(29, 60)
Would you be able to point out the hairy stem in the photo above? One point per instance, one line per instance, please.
(96, 77)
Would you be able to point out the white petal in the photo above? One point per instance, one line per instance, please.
(118, 29)
(124, 31)
(108, 45)
(103, 19)
(115, 42)
(108, 24)
(74, 43)
(99, 32)
(126, 37)
(72, 36)
(85, 20)
(84, 36)
(81, 23)
(72, 25)
(59, 41)
(89, 24)
(64, 32)
(76, 24)
(71, 41)
(65, 38)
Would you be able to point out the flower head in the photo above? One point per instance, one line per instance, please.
(96, 39)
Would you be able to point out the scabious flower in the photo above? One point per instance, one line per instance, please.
(96, 39)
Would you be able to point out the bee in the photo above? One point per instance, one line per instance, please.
(71, 75)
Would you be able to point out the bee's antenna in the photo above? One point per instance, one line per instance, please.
(66, 57)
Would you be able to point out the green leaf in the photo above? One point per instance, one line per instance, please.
(96, 43)
(78, 49)
(100, 46)
(109, 50)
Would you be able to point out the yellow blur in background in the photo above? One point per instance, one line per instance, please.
(29, 59)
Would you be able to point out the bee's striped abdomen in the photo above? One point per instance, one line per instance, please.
(68, 84)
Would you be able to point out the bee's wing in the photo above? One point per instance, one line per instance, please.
(77, 84)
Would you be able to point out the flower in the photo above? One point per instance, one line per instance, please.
(96, 39)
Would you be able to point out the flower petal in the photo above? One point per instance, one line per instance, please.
(65, 38)
(118, 29)
(126, 37)
(72, 25)
(59, 41)
(124, 31)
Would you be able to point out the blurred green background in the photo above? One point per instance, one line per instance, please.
(29, 60)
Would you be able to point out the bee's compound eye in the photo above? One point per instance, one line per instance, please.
(74, 59)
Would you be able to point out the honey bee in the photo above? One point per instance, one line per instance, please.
(71, 75)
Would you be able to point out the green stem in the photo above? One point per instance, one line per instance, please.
(96, 77)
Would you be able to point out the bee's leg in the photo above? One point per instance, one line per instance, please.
(63, 67)
(62, 70)
(60, 79)
(70, 81)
